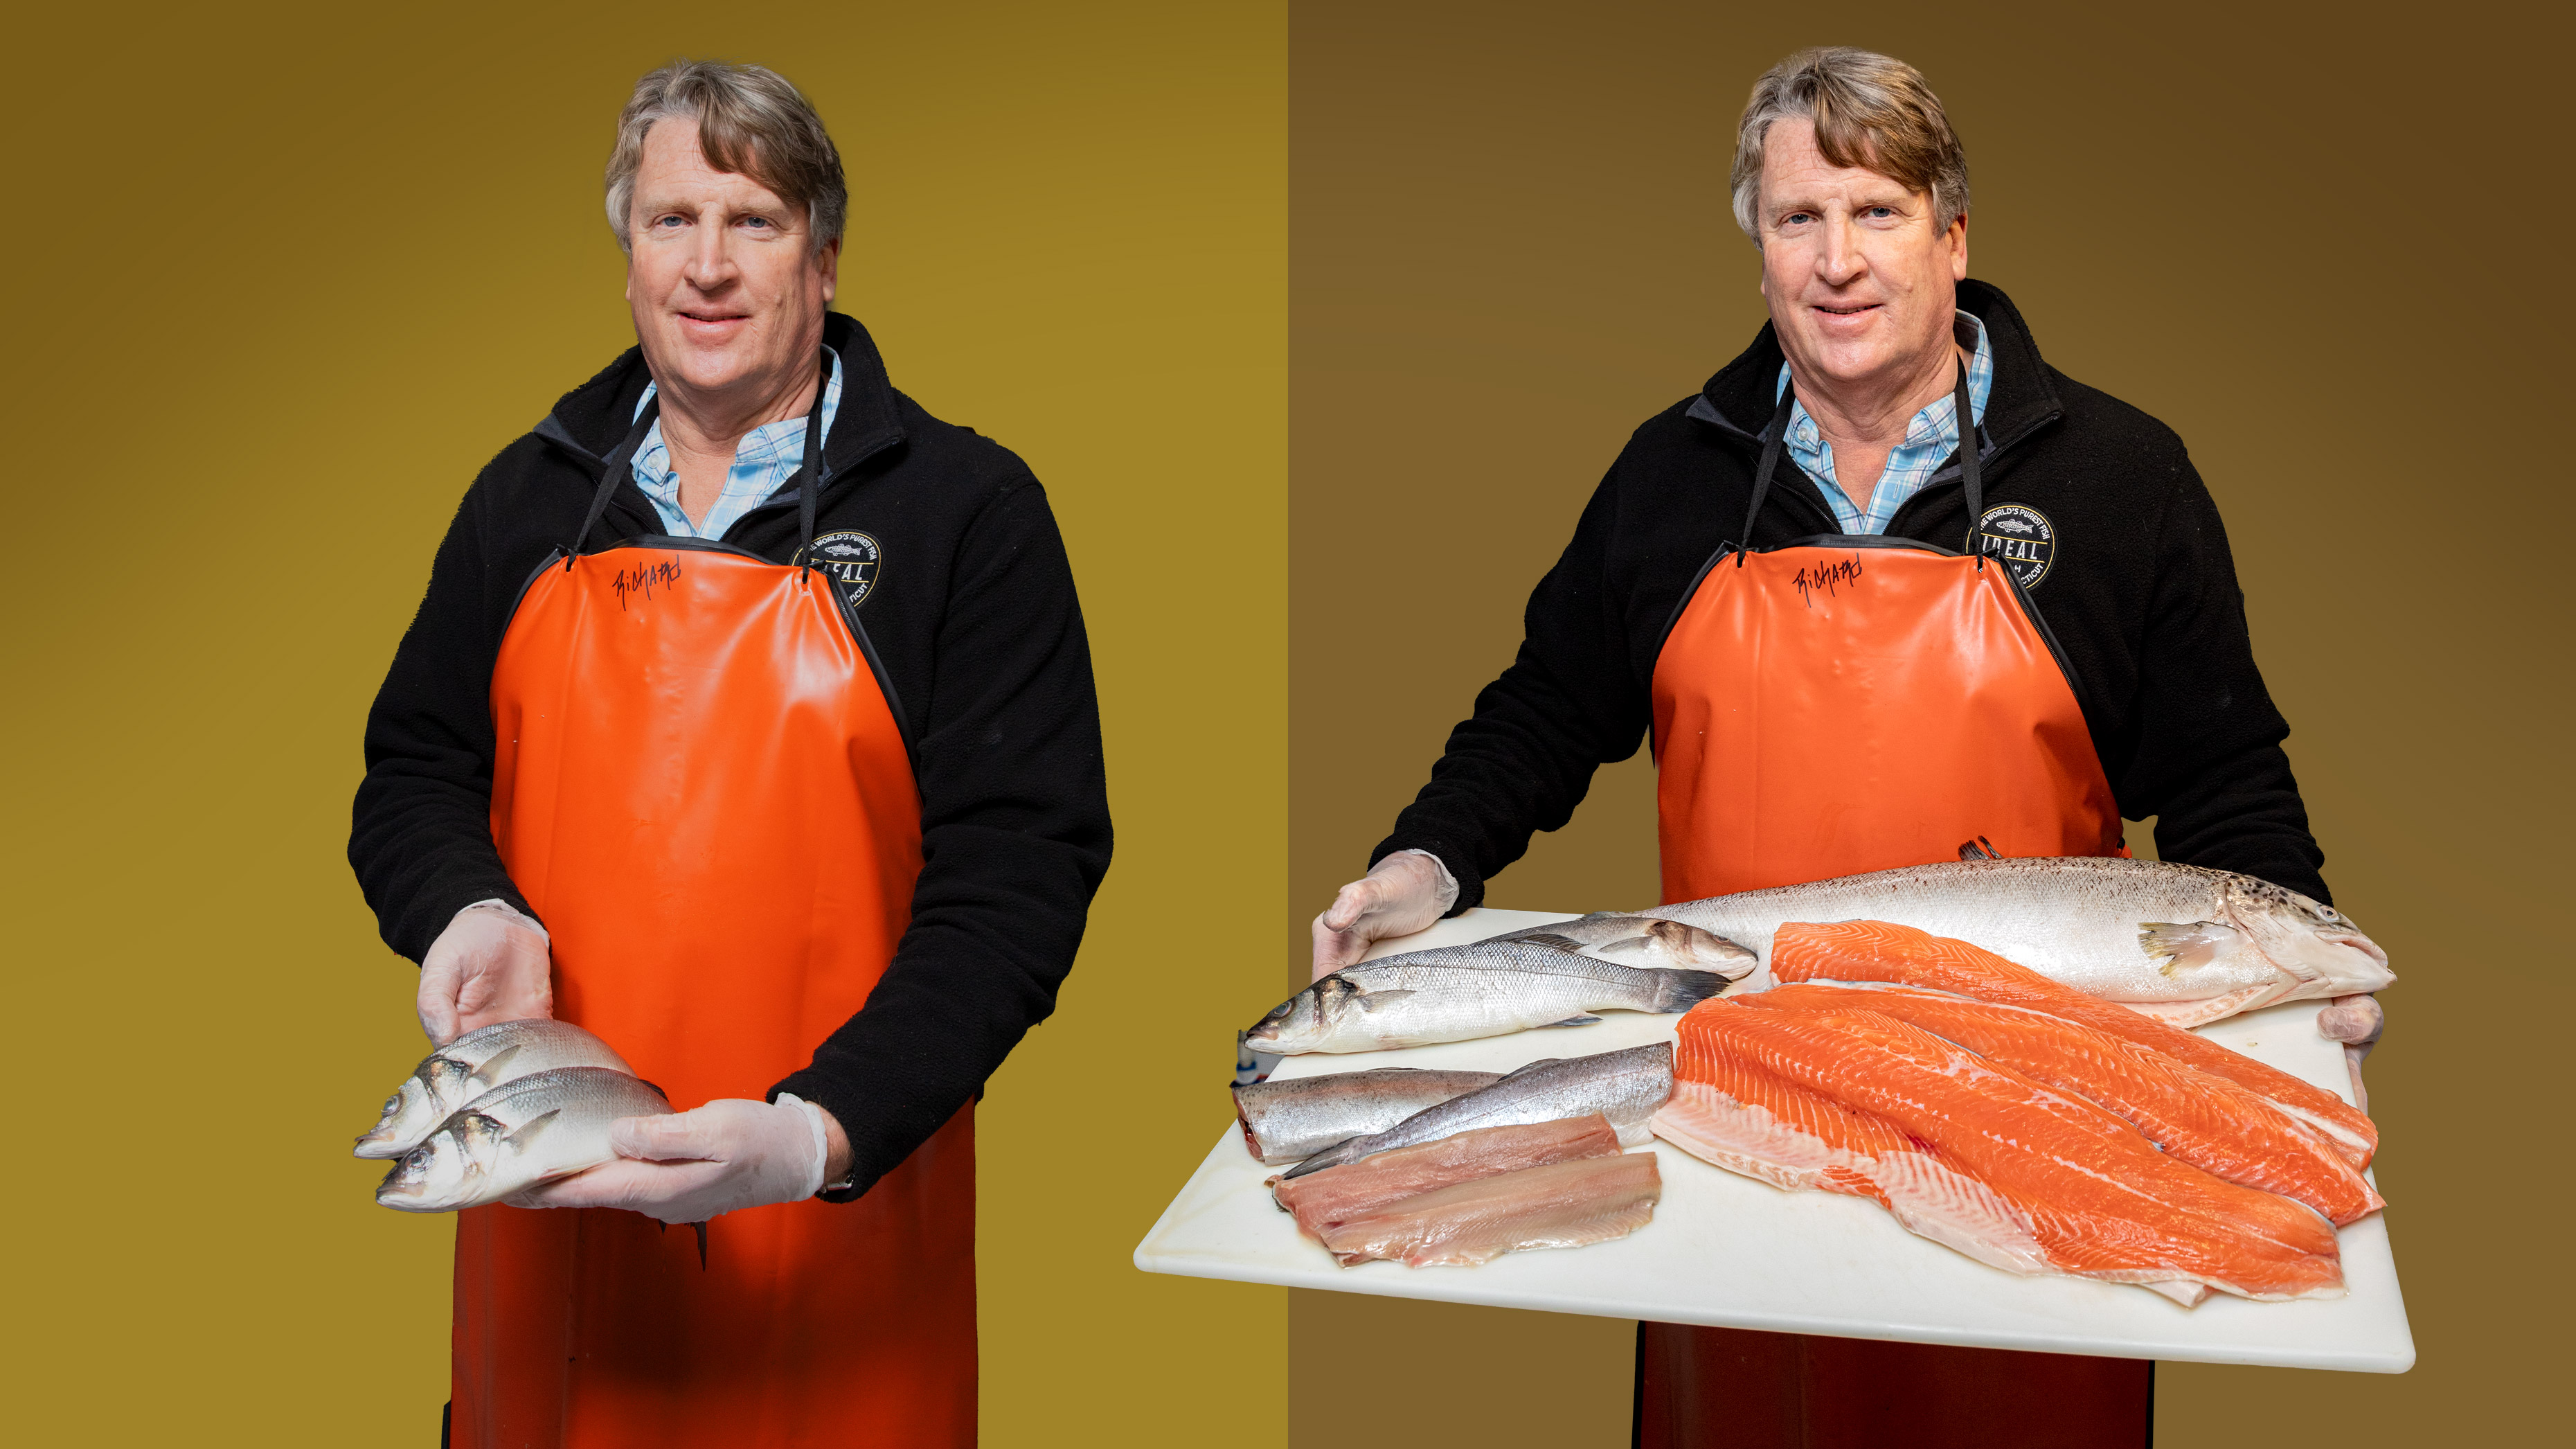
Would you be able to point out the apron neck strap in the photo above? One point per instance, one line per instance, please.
(1772, 439)
(620, 458)
(814, 472)
(1971, 477)
(809, 477)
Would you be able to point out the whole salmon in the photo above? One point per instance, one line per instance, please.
(2178, 942)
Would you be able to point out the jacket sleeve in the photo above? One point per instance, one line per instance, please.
(1015, 839)
(1569, 704)
(420, 835)
(2209, 764)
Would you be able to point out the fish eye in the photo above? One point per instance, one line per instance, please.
(393, 1101)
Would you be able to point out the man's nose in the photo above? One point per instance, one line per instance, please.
(710, 261)
(1839, 262)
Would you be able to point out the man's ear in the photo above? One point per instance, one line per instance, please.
(1959, 247)
(830, 261)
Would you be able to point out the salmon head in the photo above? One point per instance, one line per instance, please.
(2307, 938)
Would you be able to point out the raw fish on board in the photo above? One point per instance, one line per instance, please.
(1462, 992)
(1881, 951)
(1293, 1120)
(2065, 1184)
(1562, 1205)
(1329, 1199)
(1623, 1086)
(2195, 1116)
(2178, 942)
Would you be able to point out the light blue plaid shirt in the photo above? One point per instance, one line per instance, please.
(761, 463)
(1929, 439)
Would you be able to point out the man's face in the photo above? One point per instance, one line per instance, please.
(727, 289)
(1862, 287)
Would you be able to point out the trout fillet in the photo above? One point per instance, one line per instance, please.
(1561, 1205)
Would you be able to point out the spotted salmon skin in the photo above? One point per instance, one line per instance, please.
(2195, 1116)
(1881, 951)
(2004, 1168)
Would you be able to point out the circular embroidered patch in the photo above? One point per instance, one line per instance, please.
(852, 559)
(2021, 536)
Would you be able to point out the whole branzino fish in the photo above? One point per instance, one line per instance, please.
(473, 1064)
(2181, 943)
(1642, 941)
(1293, 1120)
(1623, 1086)
(1461, 992)
(535, 1129)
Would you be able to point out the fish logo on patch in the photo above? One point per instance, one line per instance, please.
(852, 559)
(2020, 536)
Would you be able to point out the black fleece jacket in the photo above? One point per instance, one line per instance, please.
(973, 616)
(2139, 590)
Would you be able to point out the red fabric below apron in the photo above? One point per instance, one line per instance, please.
(701, 788)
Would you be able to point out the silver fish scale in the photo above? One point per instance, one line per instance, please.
(1624, 1086)
(584, 1095)
(2075, 920)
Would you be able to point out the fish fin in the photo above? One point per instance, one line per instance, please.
(530, 1130)
(702, 1244)
(1979, 849)
(484, 1074)
(1571, 1021)
(1379, 1000)
(1679, 989)
(1550, 938)
(2181, 947)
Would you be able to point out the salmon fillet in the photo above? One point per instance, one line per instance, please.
(2098, 1200)
(1880, 951)
(2195, 1116)
(1334, 1196)
(1561, 1205)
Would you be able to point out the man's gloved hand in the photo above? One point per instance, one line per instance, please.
(686, 1168)
(1406, 893)
(2356, 1021)
(490, 964)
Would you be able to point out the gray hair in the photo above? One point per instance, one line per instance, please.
(1869, 110)
(751, 122)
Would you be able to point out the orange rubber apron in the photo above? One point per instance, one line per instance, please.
(1855, 703)
(1846, 704)
(702, 786)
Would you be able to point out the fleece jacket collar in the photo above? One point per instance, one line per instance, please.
(1738, 401)
(591, 420)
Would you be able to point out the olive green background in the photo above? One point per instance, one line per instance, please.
(287, 275)
(2325, 244)
(284, 277)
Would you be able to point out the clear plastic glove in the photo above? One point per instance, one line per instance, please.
(2356, 1021)
(686, 1168)
(1406, 893)
(490, 964)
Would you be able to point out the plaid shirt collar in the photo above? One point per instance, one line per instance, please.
(1929, 440)
(762, 462)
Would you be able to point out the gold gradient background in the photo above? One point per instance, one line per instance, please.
(287, 275)
(295, 273)
(2325, 244)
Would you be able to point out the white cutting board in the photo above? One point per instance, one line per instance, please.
(1733, 1252)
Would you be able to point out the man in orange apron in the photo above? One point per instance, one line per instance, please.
(1888, 584)
(748, 722)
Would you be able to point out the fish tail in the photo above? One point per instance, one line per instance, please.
(1680, 989)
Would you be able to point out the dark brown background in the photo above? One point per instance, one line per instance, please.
(2327, 248)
